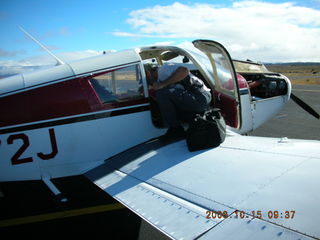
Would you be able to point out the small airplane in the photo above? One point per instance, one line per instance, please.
(99, 117)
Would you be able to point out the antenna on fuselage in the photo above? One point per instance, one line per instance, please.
(59, 61)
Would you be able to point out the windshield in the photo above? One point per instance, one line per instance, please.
(249, 67)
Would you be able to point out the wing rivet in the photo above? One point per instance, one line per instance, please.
(279, 234)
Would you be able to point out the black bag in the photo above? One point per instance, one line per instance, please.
(206, 131)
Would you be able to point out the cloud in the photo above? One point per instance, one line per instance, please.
(62, 31)
(164, 43)
(71, 56)
(46, 59)
(249, 29)
(126, 34)
(5, 53)
(49, 47)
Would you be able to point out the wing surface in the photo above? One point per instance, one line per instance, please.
(179, 192)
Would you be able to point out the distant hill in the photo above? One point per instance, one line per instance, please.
(298, 72)
(294, 64)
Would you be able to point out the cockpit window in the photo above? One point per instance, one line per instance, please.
(119, 85)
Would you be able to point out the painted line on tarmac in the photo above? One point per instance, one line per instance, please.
(59, 215)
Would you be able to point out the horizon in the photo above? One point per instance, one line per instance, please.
(8, 72)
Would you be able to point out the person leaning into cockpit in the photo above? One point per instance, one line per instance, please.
(178, 93)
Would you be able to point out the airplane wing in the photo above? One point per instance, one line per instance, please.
(266, 188)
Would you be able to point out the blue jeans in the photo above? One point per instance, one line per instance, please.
(176, 103)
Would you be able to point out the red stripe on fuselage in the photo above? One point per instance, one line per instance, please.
(67, 98)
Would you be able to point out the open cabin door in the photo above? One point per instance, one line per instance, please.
(223, 75)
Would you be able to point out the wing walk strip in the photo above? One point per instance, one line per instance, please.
(60, 215)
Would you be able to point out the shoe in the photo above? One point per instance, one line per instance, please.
(173, 133)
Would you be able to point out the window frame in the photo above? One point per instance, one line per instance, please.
(134, 101)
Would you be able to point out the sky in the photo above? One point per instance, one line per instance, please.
(267, 31)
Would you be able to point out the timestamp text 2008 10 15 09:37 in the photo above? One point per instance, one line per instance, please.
(271, 214)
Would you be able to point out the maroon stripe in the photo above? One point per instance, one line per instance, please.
(67, 98)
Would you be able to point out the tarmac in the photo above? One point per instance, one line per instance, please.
(29, 209)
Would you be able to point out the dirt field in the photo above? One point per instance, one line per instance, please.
(299, 73)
